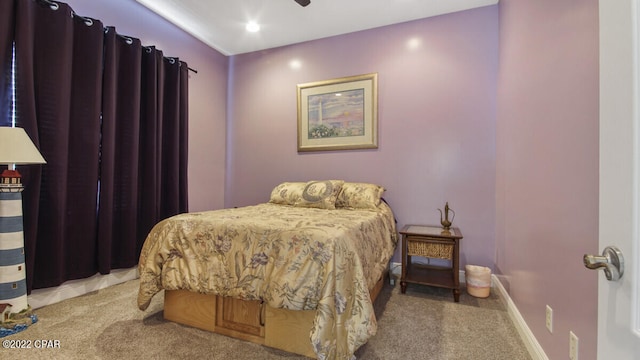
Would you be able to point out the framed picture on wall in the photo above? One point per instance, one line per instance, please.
(338, 114)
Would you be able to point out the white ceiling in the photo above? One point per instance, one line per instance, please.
(221, 23)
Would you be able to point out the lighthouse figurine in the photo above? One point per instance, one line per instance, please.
(16, 148)
(15, 312)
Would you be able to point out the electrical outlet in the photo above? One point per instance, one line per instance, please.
(573, 346)
(549, 319)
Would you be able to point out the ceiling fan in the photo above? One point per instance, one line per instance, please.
(303, 3)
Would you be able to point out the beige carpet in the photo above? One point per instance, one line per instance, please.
(424, 323)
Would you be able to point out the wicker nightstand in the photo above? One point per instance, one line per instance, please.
(431, 242)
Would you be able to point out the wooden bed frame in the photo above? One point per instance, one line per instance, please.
(252, 321)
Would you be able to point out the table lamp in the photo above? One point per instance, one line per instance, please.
(16, 148)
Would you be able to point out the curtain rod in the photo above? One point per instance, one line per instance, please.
(129, 41)
(89, 21)
(148, 48)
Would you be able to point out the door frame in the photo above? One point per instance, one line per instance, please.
(618, 318)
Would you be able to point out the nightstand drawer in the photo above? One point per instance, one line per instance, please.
(429, 249)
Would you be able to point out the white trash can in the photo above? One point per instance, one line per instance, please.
(478, 280)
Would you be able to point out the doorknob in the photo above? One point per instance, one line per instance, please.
(611, 261)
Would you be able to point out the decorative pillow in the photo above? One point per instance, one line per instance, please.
(287, 193)
(320, 194)
(359, 196)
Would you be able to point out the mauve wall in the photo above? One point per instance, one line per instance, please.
(436, 93)
(207, 90)
(547, 166)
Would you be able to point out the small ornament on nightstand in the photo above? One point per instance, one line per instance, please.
(446, 223)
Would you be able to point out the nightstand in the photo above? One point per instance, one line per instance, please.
(436, 243)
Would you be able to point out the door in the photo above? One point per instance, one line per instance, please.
(618, 301)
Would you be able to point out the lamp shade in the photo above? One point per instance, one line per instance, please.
(17, 148)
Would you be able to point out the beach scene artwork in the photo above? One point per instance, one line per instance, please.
(336, 114)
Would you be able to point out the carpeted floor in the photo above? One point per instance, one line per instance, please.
(424, 323)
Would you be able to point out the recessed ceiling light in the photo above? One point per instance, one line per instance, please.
(252, 26)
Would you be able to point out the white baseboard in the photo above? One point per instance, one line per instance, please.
(70, 289)
(530, 341)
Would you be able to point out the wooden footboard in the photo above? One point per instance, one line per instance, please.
(253, 321)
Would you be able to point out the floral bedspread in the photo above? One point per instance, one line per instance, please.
(290, 257)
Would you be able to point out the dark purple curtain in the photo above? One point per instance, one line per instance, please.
(59, 65)
(183, 141)
(173, 175)
(84, 98)
(150, 124)
(163, 166)
(120, 152)
(7, 15)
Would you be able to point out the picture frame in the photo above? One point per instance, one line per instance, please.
(338, 114)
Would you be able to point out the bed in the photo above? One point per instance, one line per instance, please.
(299, 268)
